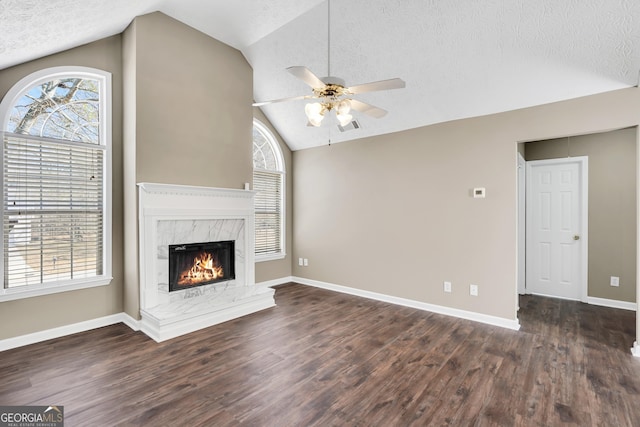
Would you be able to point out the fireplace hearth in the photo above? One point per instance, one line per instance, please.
(199, 264)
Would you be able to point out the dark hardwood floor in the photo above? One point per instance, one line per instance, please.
(323, 358)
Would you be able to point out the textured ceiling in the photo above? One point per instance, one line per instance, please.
(459, 58)
(31, 29)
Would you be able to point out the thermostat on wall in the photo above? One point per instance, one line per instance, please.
(479, 193)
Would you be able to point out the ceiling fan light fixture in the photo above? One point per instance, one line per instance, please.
(315, 113)
(344, 119)
(312, 109)
(344, 107)
(316, 120)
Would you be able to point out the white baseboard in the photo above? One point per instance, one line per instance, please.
(463, 314)
(130, 321)
(134, 324)
(275, 282)
(612, 303)
(74, 328)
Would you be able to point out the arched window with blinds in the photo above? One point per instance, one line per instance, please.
(56, 218)
(268, 181)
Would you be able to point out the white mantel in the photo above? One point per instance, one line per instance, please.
(178, 214)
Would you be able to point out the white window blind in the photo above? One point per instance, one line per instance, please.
(56, 208)
(268, 182)
(268, 203)
(53, 210)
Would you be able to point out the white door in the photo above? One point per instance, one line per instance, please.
(556, 228)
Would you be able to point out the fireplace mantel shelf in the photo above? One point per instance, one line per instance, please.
(193, 190)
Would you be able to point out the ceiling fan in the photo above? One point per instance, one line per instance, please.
(332, 93)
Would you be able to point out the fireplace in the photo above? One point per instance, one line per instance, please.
(173, 215)
(199, 264)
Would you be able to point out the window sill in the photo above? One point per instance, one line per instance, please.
(12, 294)
(270, 257)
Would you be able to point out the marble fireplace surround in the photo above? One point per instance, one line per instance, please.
(177, 214)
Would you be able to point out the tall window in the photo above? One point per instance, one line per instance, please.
(56, 218)
(268, 181)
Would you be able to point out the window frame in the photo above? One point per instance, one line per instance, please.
(105, 140)
(280, 163)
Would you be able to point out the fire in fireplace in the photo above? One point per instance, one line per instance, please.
(198, 264)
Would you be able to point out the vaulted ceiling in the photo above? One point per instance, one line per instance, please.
(459, 59)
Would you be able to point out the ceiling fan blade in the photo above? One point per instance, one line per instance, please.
(293, 98)
(304, 74)
(367, 109)
(375, 86)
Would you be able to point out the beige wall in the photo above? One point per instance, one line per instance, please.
(194, 117)
(393, 214)
(612, 205)
(39, 313)
(272, 270)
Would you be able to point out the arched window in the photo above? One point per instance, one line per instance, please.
(56, 219)
(268, 181)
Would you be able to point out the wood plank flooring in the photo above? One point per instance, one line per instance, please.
(327, 359)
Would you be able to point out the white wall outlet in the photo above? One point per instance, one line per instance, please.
(447, 286)
(615, 281)
(473, 290)
(300, 262)
(306, 262)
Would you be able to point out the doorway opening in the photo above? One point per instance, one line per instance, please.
(609, 276)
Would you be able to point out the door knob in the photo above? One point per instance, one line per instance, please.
(576, 237)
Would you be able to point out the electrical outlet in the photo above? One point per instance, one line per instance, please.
(615, 281)
(306, 262)
(473, 290)
(447, 286)
(300, 262)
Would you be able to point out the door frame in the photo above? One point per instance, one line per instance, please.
(521, 231)
(583, 163)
